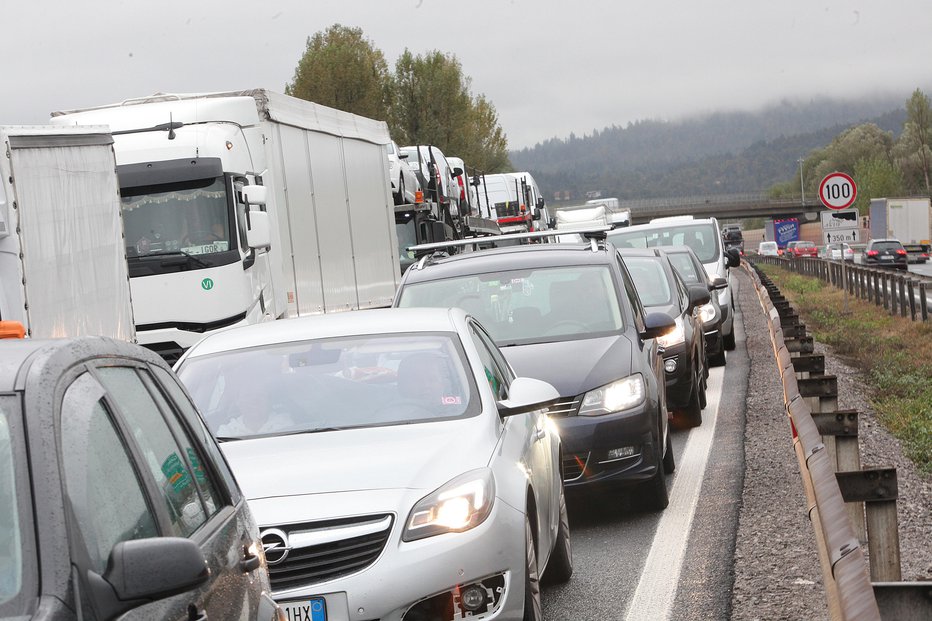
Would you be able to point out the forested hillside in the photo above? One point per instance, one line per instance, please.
(724, 152)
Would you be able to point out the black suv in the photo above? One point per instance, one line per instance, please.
(570, 315)
(885, 253)
(114, 499)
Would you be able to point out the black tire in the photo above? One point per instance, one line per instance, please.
(533, 609)
(560, 567)
(728, 340)
(703, 398)
(669, 462)
(400, 197)
(692, 413)
(654, 490)
(717, 360)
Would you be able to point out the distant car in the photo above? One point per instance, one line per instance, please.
(917, 253)
(835, 251)
(115, 502)
(403, 178)
(434, 173)
(684, 360)
(396, 465)
(690, 269)
(768, 249)
(799, 249)
(885, 253)
(570, 315)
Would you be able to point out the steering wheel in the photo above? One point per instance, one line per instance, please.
(561, 327)
(200, 238)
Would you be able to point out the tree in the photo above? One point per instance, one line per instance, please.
(876, 177)
(432, 104)
(912, 152)
(341, 69)
(861, 142)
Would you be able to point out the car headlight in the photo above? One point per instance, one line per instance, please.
(461, 504)
(620, 395)
(707, 313)
(677, 336)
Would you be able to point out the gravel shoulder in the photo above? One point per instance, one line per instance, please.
(777, 574)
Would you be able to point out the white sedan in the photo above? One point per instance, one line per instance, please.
(835, 251)
(403, 178)
(396, 466)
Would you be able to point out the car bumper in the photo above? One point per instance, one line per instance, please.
(587, 441)
(408, 573)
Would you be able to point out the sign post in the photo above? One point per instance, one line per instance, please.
(837, 191)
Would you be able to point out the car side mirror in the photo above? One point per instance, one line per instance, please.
(698, 295)
(146, 570)
(259, 233)
(527, 395)
(734, 258)
(255, 194)
(657, 324)
(402, 156)
(718, 283)
(457, 171)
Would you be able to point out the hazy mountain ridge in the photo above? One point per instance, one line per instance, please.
(723, 152)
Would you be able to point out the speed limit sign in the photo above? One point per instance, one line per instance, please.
(837, 191)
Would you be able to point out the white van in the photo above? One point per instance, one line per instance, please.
(768, 249)
(705, 238)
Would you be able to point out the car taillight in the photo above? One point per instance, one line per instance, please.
(872, 253)
(901, 252)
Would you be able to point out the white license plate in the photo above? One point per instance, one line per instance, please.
(886, 258)
(310, 609)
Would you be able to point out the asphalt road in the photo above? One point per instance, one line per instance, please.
(632, 564)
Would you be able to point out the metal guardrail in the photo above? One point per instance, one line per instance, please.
(902, 293)
(839, 492)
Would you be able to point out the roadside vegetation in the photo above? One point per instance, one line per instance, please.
(894, 353)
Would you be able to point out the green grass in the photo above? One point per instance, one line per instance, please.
(894, 353)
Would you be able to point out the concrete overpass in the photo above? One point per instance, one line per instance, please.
(722, 206)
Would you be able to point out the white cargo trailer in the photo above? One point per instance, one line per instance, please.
(248, 206)
(62, 257)
(906, 219)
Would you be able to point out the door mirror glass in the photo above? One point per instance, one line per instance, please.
(718, 283)
(657, 324)
(698, 295)
(526, 395)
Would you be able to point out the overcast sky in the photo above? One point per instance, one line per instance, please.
(550, 67)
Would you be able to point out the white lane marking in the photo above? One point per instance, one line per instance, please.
(656, 591)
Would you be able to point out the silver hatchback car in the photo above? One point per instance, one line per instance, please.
(396, 466)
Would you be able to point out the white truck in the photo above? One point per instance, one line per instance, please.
(248, 206)
(62, 259)
(511, 199)
(907, 219)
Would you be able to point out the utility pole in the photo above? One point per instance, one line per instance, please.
(802, 189)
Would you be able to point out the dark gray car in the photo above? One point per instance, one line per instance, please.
(570, 315)
(114, 499)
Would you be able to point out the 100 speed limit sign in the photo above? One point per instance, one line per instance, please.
(837, 191)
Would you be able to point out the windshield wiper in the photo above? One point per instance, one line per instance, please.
(303, 431)
(227, 438)
(187, 257)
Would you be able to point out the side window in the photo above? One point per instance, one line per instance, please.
(498, 377)
(177, 395)
(632, 296)
(240, 208)
(104, 491)
(168, 463)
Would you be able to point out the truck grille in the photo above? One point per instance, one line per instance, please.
(305, 554)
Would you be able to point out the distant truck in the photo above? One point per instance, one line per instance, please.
(62, 259)
(732, 237)
(248, 206)
(908, 220)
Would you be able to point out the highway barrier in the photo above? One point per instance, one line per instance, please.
(902, 293)
(848, 505)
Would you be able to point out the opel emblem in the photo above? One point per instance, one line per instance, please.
(275, 544)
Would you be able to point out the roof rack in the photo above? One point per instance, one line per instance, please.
(593, 234)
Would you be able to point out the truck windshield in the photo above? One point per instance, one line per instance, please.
(191, 219)
(13, 523)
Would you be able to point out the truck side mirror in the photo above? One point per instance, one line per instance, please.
(457, 171)
(255, 194)
(259, 233)
(540, 202)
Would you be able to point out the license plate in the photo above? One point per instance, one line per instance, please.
(886, 258)
(311, 609)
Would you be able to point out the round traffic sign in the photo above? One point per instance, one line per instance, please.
(837, 190)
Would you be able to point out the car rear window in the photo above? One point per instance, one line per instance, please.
(887, 245)
(529, 306)
(335, 383)
(650, 280)
(806, 245)
(700, 237)
(684, 265)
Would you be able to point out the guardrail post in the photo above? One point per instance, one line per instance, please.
(911, 294)
(923, 301)
(877, 488)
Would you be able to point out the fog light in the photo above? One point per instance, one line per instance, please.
(618, 453)
(669, 365)
(473, 597)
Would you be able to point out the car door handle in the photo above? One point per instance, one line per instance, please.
(250, 562)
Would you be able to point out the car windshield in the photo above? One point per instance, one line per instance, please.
(649, 280)
(700, 237)
(335, 383)
(12, 558)
(529, 306)
(687, 270)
